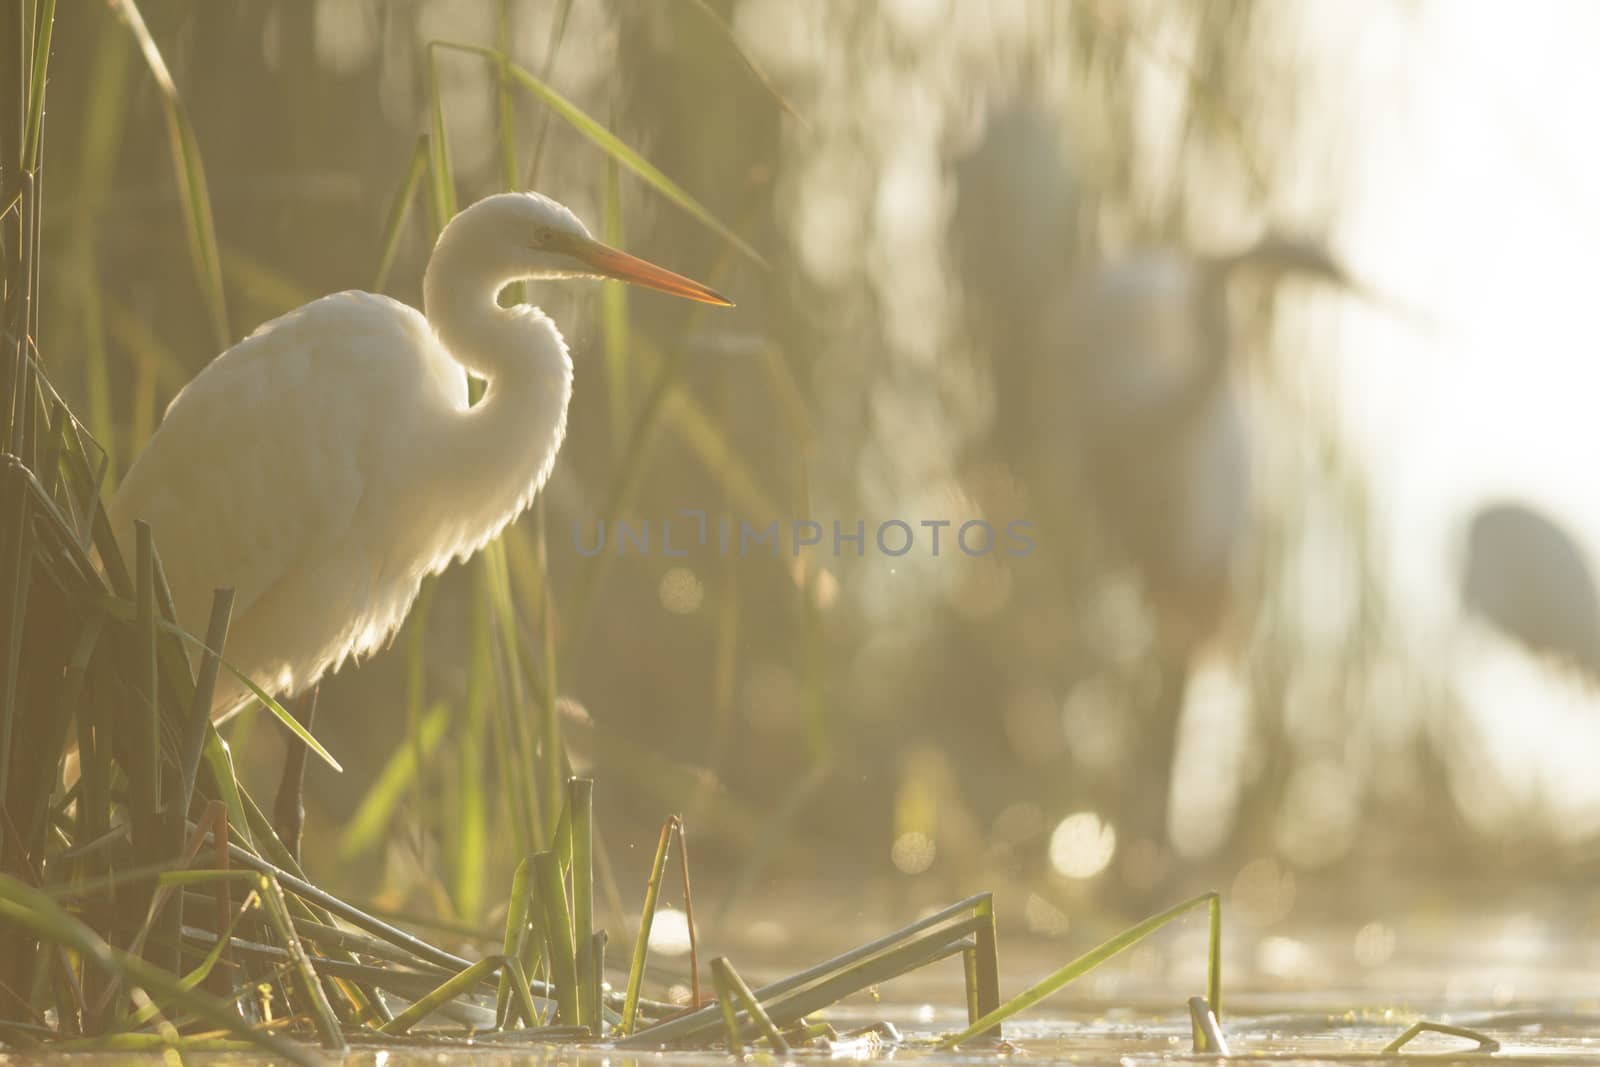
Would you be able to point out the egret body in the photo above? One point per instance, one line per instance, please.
(326, 464)
(1158, 421)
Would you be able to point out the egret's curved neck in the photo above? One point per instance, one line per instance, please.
(498, 453)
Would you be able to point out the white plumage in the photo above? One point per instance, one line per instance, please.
(326, 464)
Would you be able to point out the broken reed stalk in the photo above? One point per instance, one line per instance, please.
(641, 945)
(730, 987)
(580, 802)
(688, 915)
(552, 890)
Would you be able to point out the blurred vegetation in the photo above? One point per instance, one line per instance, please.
(921, 182)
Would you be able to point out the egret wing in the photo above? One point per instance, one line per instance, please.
(261, 468)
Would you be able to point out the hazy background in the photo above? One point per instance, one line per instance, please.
(1311, 724)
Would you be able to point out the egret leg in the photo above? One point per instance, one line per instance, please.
(289, 809)
(1147, 867)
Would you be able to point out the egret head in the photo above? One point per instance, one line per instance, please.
(529, 235)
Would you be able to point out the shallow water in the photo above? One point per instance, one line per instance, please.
(1261, 1031)
(1297, 996)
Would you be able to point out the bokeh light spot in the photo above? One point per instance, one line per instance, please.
(913, 852)
(1082, 845)
(681, 592)
(669, 933)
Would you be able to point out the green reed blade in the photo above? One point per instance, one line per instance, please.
(676, 1028)
(580, 801)
(462, 982)
(441, 175)
(33, 123)
(641, 944)
(552, 890)
(145, 774)
(611, 145)
(400, 210)
(190, 172)
(511, 946)
(750, 65)
(731, 986)
(1205, 1034)
(558, 33)
(322, 1016)
(728, 1008)
(1214, 958)
(205, 686)
(34, 911)
(373, 815)
(614, 341)
(1076, 969)
(119, 608)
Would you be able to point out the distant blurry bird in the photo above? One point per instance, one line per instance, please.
(1120, 372)
(1528, 577)
(326, 464)
(1153, 420)
(1156, 421)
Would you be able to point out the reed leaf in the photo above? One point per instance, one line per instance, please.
(732, 988)
(193, 190)
(611, 145)
(32, 910)
(580, 802)
(462, 982)
(750, 65)
(552, 891)
(517, 907)
(641, 944)
(1076, 969)
(400, 210)
(119, 608)
(676, 1029)
(374, 814)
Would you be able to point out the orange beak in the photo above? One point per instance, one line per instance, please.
(610, 263)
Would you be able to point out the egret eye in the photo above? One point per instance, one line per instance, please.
(545, 235)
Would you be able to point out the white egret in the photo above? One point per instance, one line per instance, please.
(328, 463)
